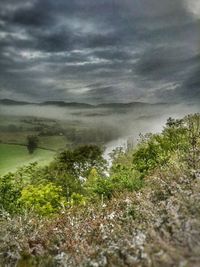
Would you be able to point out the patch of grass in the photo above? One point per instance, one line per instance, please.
(15, 137)
(15, 156)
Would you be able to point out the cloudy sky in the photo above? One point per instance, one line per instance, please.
(100, 50)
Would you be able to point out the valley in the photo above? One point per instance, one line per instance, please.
(60, 126)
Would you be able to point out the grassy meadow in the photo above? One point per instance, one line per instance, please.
(14, 156)
(13, 139)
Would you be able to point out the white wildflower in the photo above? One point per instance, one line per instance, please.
(111, 216)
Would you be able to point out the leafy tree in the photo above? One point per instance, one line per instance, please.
(147, 156)
(81, 160)
(56, 174)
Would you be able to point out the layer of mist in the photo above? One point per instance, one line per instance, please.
(127, 122)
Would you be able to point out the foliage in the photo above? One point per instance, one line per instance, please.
(72, 167)
(156, 150)
(126, 178)
(10, 191)
(104, 187)
(43, 199)
(151, 153)
(193, 136)
(60, 177)
(91, 182)
(81, 160)
(77, 200)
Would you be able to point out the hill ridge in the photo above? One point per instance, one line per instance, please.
(60, 103)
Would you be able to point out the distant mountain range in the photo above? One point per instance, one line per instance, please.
(10, 102)
(65, 104)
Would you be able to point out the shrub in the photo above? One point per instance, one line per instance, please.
(43, 199)
(104, 187)
(126, 178)
(77, 200)
(10, 192)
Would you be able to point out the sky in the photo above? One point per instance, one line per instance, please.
(100, 51)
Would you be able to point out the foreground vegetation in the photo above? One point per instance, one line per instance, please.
(72, 213)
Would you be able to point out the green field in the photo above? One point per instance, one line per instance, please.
(53, 136)
(15, 156)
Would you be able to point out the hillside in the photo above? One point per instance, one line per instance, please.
(145, 213)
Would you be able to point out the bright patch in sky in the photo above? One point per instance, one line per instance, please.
(194, 7)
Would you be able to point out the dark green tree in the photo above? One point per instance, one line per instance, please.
(81, 160)
(32, 143)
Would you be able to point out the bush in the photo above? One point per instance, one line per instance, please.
(10, 192)
(104, 187)
(43, 199)
(77, 200)
(126, 179)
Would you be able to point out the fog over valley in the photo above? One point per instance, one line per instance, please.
(119, 124)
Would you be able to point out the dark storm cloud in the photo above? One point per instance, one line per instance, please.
(190, 88)
(162, 63)
(99, 51)
(32, 17)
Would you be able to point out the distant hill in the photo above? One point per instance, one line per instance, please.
(124, 105)
(103, 105)
(10, 102)
(66, 104)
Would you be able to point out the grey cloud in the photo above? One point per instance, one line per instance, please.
(119, 50)
(53, 41)
(161, 63)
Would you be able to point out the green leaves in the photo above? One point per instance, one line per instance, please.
(43, 199)
(126, 179)
(10, 191)
(180, 138)
(81, 160)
